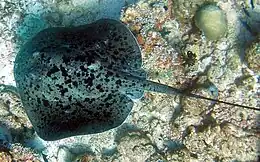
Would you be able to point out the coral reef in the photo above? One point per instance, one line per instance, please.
(253, 56)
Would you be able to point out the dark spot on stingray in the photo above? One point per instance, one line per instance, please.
(99, 74)
(87, 111)
(58, 85)
(88, 82)
(109, 97)
(98, 86)
(67, 81)
(63, 91)
(45, 102)
(91, 100)
(79, 105)
(90, 61)
(121, 49)
(78, 74)
(113, 91)
(92, 76)
(118, 76)
(119, 82)
(110, 66)
(52, 71)
(116, 39)
(106, 79)
(82, 67)
(38, 100)
(107, 114)
(116, 52)
(54, 78)
(80, 58)
(108, 74)
(63, 71)
(75, 84)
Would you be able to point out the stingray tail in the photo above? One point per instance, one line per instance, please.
(161, 88)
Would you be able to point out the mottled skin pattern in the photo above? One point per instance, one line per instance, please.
(80, 80)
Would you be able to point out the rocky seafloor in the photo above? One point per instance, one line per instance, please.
(175, 52)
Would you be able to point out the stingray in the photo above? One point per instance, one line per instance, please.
(83, 80)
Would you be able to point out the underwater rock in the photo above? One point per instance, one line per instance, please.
(212, 137)
(5, 157)
(253, 56)
(64, 155)
(20, 153)
(132, 144)
(211, 20)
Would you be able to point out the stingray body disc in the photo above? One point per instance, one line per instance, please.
(66, 80)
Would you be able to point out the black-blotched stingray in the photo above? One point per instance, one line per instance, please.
(83, 80)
